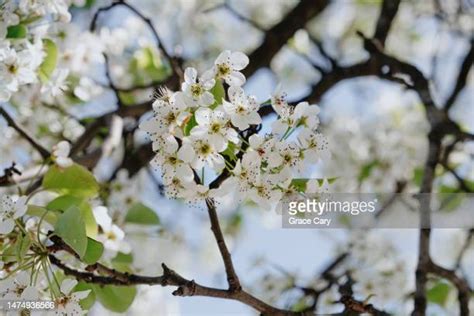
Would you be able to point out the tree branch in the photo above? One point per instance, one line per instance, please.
(232, 278)
(34, 143)
(388, 11)
(168, 278)
(278, 35)
(462, 77)
(464, 292)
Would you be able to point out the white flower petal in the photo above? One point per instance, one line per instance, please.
(80, 295)
(235, 79)
(186, 153)
(223, 57)
(207, 99)
(239, 60)
(6, 226)
(67, 285)
(190, 75)
(203, 116)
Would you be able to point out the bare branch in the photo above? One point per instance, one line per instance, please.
(464, 292)
(462, 183)
(278, 35)
(111, 82)
(464, 248)
(232, 278)
(34, 143)
(387, 14)
(173, 61)
(462, 77)
(169, 277)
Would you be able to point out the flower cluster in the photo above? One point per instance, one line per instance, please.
(22, 51)
(372, 154)
(204, 128)
(19, 227)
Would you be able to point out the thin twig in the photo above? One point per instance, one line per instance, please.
(232, 278)
(34, 143)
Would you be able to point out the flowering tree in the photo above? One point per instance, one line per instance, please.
(73, 176)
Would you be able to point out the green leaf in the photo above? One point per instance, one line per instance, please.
(230, 152)
(300, 305)
(87, 302)
(438, 293)
(122, 262)
(147, 65)
(417, 176)
(115, 298)
(72, 229)
(189, 125)
(8, 254)
(451, 198)
(64, 202)
(75, 180)
(142, 214)
(123, 258)
(50, 60)
(218, 92)
(39, 211)
(94, 251)
(127, 98)
(300, 183)
(17, 31)
(367, 170)
(22, 245)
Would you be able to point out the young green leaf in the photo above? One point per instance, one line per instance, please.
(142, 214)
(230, 152)
(50, 60)
(438, 293)
(189, 125)
(39, 211)
(300, 183)
(115, 298)
(72, 229)
(218, 92)
(122, 262)
(94, 251)
(22, 245)
(64, 202)
(75, 180)
(17, 31)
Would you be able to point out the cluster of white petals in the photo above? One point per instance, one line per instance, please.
(203, 129)
(22, 51)
(60, 154)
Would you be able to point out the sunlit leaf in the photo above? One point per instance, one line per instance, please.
(142, 214)
(94, 251)
(75, 180)
(115, 298)
(17, 31)
(439, 293)
(71, 228)
(50, 60)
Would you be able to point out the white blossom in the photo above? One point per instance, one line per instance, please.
(68, 303)
(198, 89)
(110, 235)
(11, 209)
(242, 109)
(18, 287)
(227, 66)
(213, 125)
(60, 154)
